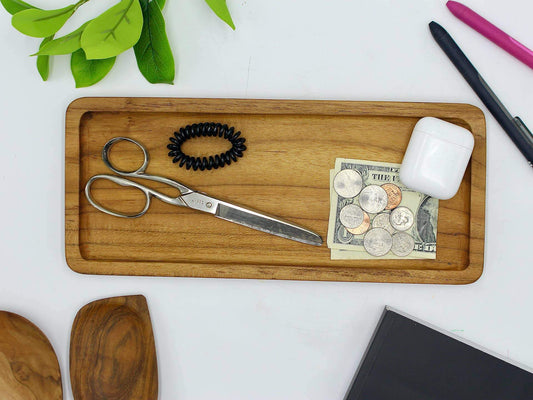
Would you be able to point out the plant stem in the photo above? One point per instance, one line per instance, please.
(80, 3)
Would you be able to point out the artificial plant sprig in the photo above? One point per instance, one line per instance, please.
(114, 31)
(63, 45)
(15, 6)
(43, 62)
(88, 72)
(95, 45)
(43, 23)
(152, 51)
(220, 8)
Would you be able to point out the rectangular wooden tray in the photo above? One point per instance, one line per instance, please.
(292, 145)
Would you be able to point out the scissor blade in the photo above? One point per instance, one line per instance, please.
(265, 223)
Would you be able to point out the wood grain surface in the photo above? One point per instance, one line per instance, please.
(292, 145)
(29, 369)
(112, 351)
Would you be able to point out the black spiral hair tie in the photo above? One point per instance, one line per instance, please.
(206, 129)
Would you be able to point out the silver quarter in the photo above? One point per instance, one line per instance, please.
(402, 244)
(377, 242)
(382, 221)
(401, 218)
(351, 216)
(348, 183)
(373, 199)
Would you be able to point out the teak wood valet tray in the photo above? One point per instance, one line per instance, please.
(292, 145)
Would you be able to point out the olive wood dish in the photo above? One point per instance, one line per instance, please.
(112, 351)
(29, 368)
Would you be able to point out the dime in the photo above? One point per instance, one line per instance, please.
(351, 216)
(373, 199)
(401, 218)
(348, 183)
(402, 244)
(394, 194)
(377, 242)
(382, 221)
(361, 228)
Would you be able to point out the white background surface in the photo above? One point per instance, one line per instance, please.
(248, 339)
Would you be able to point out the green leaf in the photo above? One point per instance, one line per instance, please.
(43, 62)
(152, 51)
(220, 8)
(63, 45)
(42, 23)
(88, 72)
(161, 4)
(114, 31)
(15, 6)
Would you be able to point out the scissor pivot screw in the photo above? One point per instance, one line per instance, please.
(209, 204)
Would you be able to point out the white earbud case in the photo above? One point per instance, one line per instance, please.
(436, 158)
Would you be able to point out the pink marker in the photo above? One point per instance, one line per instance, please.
(502, 39)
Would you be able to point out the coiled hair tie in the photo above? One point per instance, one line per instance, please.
(206, 129)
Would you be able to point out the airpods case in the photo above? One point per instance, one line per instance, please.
(436, 158)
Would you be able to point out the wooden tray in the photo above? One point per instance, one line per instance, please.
(292, 145)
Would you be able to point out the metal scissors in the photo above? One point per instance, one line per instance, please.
(195, 200)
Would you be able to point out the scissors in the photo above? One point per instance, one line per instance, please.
(195, 200)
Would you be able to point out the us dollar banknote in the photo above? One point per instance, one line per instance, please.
(424, 212)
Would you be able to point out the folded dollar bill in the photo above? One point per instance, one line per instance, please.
(393, 222)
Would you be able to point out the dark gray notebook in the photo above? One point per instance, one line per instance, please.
(409, 360)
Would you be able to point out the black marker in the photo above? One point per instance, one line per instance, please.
(515, 128)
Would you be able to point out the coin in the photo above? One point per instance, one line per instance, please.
(382, 221)
(401, 218)
(351, 216)
(361, 228)
(402, 244)
(377, 242)
(394, 195)
(373, 199)
(348, 183)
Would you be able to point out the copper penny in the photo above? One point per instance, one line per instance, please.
(361, 228)
(394, 194)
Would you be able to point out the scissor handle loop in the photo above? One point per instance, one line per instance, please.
(138, 173)
(107, 148)
(123, 182)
